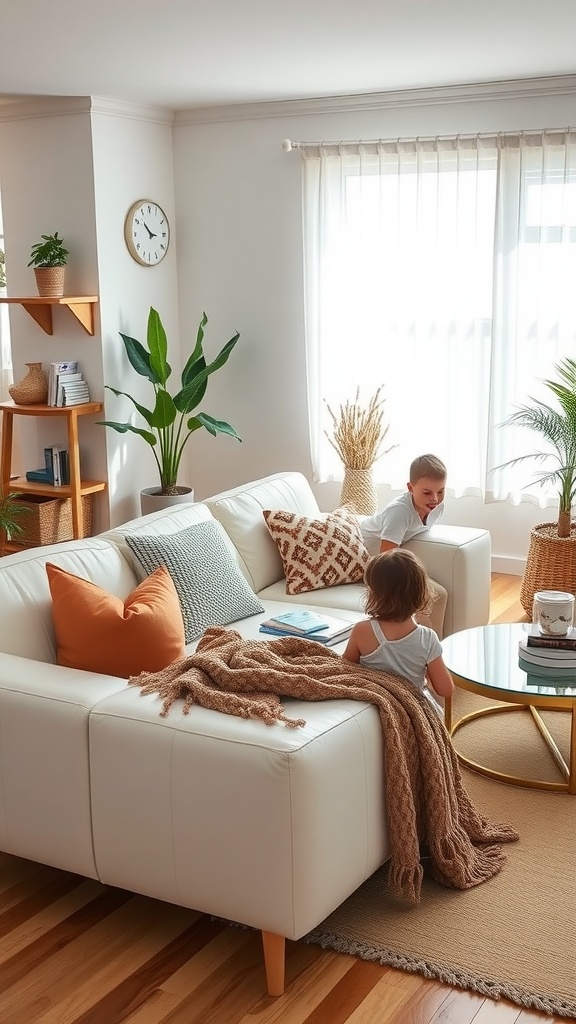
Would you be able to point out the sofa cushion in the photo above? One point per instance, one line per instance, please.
(98, 632)
(210, 585)
(26, 625)
(240, 512)
(320, 552)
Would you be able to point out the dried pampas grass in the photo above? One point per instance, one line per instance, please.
(359, 433)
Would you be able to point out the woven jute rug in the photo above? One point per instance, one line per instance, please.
(512, 936)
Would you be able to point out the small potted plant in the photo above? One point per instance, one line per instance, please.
(10, 512)
(49, 258)
(173, 419)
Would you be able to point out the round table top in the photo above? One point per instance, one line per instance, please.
(488, 656)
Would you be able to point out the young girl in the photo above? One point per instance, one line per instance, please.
(391, 640)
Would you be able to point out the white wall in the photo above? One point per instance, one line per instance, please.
(239, 215)
(76, 165)
(132, 160)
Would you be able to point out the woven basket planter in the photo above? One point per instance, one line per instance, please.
(50, 281)
(551, 563)
(358, 489)
(49, 520)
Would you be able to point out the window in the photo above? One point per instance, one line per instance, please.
(443, 270)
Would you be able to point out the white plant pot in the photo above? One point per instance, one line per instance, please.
(152, 501)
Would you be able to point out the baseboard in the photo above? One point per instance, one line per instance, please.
(511, 566)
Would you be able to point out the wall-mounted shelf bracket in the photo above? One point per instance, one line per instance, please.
(40, 309)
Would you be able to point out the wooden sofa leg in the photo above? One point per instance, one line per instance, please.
(274, 962)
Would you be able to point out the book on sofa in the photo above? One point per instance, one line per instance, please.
(329, 629)
(301, 623)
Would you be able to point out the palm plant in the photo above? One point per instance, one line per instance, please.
(558, 428)
(170, 423)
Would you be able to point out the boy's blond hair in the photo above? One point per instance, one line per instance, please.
(427, 465)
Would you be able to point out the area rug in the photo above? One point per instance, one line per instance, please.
(511, 936)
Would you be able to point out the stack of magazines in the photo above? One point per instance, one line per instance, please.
(545, 655)
(327, 629)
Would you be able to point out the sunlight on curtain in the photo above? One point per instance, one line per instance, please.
(440, 269)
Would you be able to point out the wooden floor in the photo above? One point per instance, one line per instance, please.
(75, 952)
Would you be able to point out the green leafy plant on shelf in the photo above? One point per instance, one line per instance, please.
(557, 427)
(170, 423)
(11, 509)
(49, 252)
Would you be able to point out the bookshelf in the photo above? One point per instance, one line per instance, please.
(77, 486)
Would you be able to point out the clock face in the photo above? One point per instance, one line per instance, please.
(147, 232)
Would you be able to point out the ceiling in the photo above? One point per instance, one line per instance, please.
(180, 54)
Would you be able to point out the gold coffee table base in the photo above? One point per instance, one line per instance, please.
(567, 770)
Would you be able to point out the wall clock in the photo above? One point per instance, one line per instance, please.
(147, 232)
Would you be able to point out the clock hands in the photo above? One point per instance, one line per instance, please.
(150, 233)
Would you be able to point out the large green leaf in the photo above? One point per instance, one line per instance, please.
(158, 347)
(123, 428)
(216, 426)
(146, 413)
(139, 358)
(165, 411)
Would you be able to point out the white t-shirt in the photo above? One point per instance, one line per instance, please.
(398, 522)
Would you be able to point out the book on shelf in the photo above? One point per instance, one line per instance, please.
(332, 632)
(55, 372)
(57, 463)
(39, 476)
(301, 623)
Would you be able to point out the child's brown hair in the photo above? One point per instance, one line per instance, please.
(398, 586)
(427, 465)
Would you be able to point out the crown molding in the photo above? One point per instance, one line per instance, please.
(60, 106)
(523, 88)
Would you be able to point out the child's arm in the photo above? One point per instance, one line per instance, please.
(439, 678)
(352, 652)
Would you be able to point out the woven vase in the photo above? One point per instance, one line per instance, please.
(551, 563)
(50, 281)
(359, 490)
(33, 388)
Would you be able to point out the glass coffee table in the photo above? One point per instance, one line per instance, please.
(484, 660)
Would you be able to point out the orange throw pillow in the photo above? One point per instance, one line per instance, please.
(99, 632)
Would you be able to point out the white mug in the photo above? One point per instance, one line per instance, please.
(553, 612)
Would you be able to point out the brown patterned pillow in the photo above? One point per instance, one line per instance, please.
(320, 552)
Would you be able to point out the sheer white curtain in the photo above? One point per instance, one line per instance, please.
(441, 269)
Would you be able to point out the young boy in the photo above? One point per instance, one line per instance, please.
(407, 516)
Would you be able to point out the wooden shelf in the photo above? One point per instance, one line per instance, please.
(24, 486)
(40, 309)
(86, 409)
(77, 486)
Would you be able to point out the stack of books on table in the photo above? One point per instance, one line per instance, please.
(327, 629)
(66, 385)
(542, 655)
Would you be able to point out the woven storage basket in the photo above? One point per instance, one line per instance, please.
(551, 563)
(50, 519)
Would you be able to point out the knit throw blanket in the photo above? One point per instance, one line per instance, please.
(428, 806)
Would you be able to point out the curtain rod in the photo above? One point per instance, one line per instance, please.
(288, 145)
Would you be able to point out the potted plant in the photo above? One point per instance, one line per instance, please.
(10, 511)
(172, 420)
(49, 258)
(551, 562)
(358, 438)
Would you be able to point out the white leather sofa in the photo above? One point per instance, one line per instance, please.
(266, 826)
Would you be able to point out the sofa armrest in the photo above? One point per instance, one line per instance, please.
(459, 558)
(45, 807)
